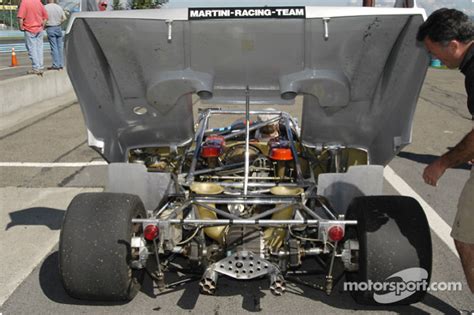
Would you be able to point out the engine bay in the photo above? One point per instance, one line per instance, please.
(244, 201)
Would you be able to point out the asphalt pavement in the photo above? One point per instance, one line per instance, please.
(34, 197)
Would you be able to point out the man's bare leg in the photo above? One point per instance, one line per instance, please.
(466, 252)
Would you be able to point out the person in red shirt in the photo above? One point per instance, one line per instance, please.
(102, 5)
(32, 17)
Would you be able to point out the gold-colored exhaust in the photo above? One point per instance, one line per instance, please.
(281, 168)
(286, 191)
(274, 237)
(215, 232)
(206, 188)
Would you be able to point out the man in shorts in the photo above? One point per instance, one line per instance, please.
(449, 35)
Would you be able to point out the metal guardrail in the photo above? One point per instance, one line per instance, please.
(11, 34)
(15, 34)
(20, 47)
(5, 35)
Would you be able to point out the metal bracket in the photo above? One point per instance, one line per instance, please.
(244, 265)
(170, 29)
(348, 252)
(139, 244)
(326, 28)
(166, 235)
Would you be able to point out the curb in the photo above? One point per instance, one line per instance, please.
(16, 118)
(24, 91)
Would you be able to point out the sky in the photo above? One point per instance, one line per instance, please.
(466, 6)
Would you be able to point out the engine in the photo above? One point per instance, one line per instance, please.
(246, 197)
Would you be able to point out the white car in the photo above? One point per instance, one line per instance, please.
(246, 191)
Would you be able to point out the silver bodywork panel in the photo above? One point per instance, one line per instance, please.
(360, 71)
(134, 179)
(341, 188)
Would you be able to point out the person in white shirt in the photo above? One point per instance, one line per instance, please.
(56, 16)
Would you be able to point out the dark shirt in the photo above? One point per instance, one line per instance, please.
(467, 68)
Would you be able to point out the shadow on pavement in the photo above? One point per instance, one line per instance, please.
(52, 287)
(342, 300)
(252, 292)
(52, 218)
(427, 159)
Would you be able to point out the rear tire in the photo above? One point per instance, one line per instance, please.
(393, 235)
(94, 247)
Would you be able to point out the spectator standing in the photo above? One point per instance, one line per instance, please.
(31, 18)
(102, 5)
(56, 16)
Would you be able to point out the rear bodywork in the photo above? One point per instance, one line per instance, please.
(359, 70)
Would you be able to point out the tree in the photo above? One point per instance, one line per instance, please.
(147, 4)
(117, 5)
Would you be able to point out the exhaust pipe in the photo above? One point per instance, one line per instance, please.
(274, 237)
(208, 282)
(277, 283)
(216, 232)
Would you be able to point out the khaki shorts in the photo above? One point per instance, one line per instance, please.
(463, 227)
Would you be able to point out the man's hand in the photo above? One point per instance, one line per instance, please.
(20, 25)
(433, 172)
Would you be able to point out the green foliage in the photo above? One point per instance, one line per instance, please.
(5, 18)
(117, 5)
(147, 4)
(143, 4)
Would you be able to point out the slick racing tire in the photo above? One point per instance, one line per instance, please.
(94, 247)
(394, 247)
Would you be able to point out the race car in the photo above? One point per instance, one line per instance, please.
(208, 177)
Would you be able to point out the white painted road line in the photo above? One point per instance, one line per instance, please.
(28, 217)
(437, 224)
(58, 164)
